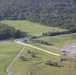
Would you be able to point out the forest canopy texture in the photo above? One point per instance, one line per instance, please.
(56, 13)
(8, 32)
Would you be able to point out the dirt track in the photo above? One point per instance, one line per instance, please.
(9, 72)
(19, 42)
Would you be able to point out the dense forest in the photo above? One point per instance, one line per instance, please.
(57, 13)
(8, 32)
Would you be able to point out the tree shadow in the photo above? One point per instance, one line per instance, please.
(51, 44)
(33, 53)
(24, 34)
(37, 57)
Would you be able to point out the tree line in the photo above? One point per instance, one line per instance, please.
(34, 40)
(7, 32)
(68, 31)
(56, 13)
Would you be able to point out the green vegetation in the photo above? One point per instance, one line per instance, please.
(29, 27)
(47, 70)
(68, 31)
(50, 63)
(58, 13)
(47, 48)
(25, 67)
(33, 61)
(37, 65)
(42, 46)
(59, 41)
(8, 51)
(52, 15)
(7, 32)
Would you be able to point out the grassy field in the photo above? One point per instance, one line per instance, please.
(47, 70)
(24, 67)
(29, 27)
(47, 48)
(31, 65)
(60, 41)
(8, 51)
(36, 66)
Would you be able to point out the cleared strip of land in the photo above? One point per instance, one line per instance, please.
(37, 48)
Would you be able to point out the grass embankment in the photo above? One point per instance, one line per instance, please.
(60, 41)
(8, 51)
(30, 28)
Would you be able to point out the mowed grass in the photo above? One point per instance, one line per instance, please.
(29, 27)
(68, 68)
(8, 51)
(47, 48)
(60, 41)
(49, 70)
(36, 66)
(25, 67)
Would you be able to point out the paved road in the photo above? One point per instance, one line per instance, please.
(9, 72)
(19, 42)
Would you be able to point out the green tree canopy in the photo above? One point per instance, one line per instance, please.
(7, 32)
(57, 13)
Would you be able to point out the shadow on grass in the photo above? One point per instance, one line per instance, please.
(37, 57)
(33, 53)
(26, 60)
(24, 34)
(50, 44)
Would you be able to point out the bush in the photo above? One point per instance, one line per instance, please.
(50, 63)
(33, 55)
(63, 59)
(29, 51)
(22, 58)
(56, 64)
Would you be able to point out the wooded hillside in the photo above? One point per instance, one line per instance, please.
(58, 13)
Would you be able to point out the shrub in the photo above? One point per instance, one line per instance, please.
(22, 58)
(50, 63)
(29, 51)
(33, 55)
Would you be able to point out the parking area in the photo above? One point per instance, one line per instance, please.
(69, 50)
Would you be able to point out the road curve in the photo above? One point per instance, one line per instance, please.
(9, 72)
(19, 42)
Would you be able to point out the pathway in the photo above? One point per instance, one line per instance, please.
(9, 72)
(19, 42)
